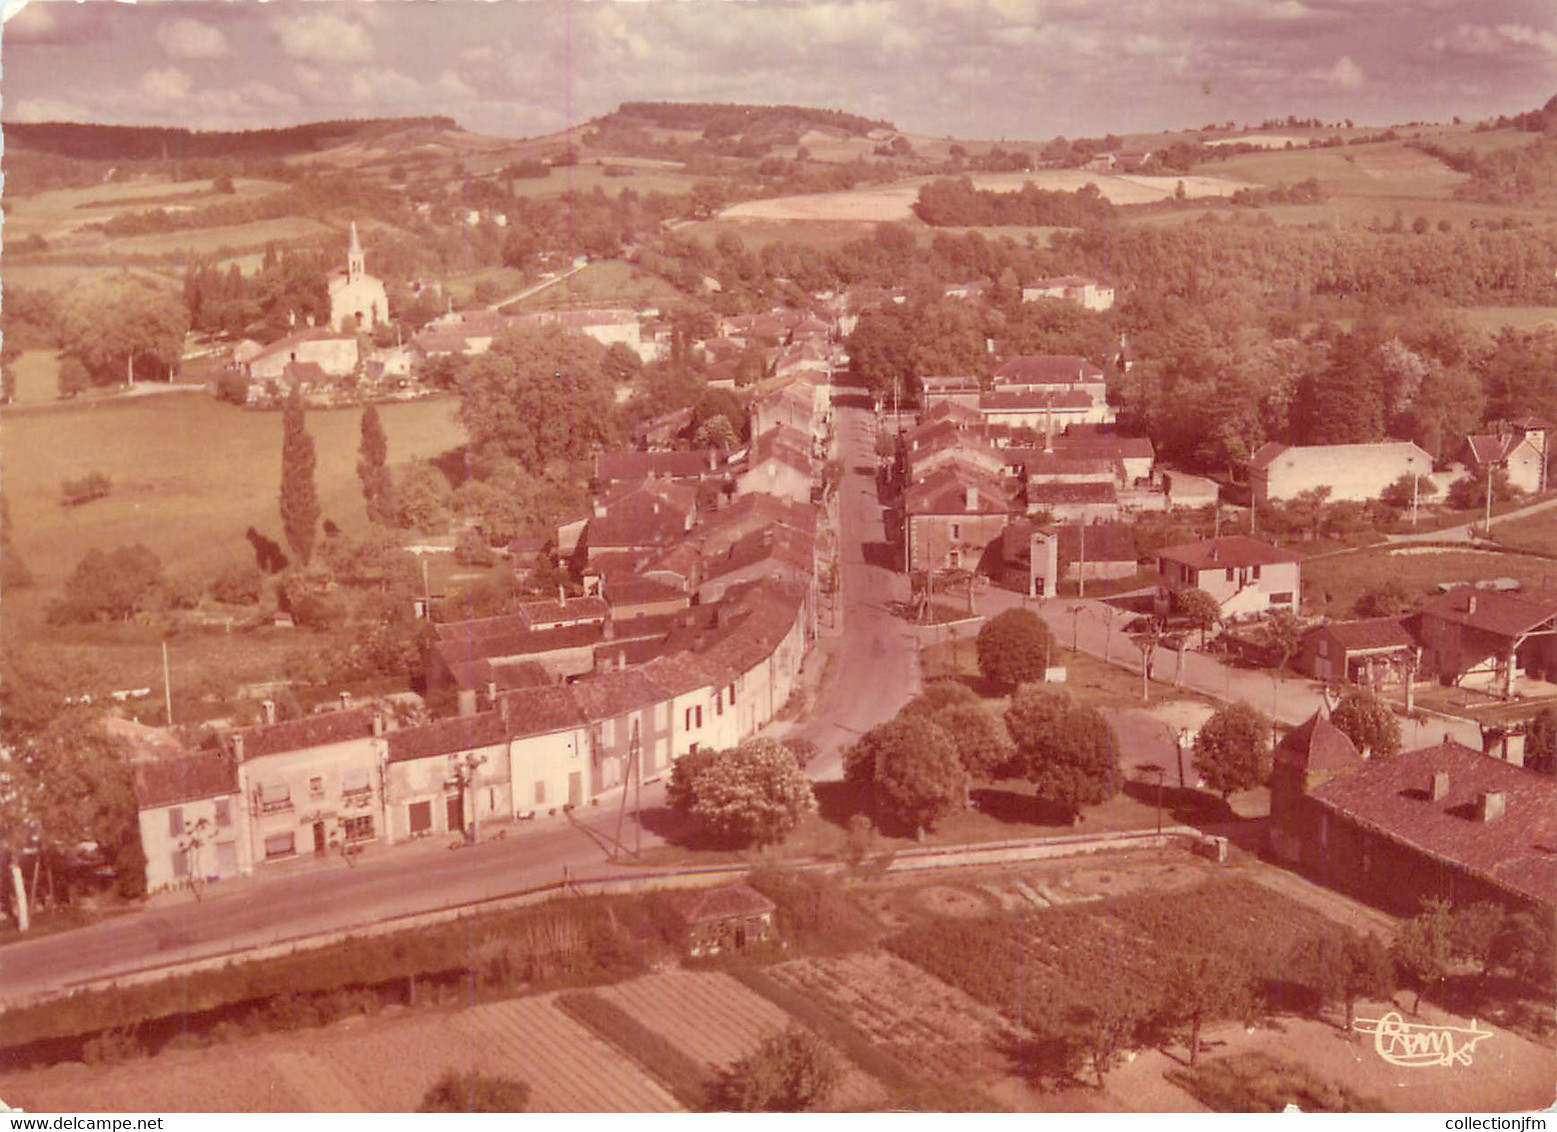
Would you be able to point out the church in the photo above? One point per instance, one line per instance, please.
(357, 299)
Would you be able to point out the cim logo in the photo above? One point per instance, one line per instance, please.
(1416, 1046)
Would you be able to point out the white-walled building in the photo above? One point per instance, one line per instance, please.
(1356, 472)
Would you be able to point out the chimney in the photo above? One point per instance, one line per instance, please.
(600, 508)
(1514, 749)
(345, 701)
(467, 699)
(268, 710)
(237, 746)
(1490, 805)
(491, 692)
(1440, 787)
(1470, 603)
(621, 660)
(378, 724)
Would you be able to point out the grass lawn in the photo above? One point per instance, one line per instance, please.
(463, 287)
(37, 377)
(189, 474)
(1536, 532)
(609, 281)
(1333, 585)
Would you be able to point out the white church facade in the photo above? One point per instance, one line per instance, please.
(357, 299)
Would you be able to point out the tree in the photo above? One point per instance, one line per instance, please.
(108, 586)
(1389, 598)
(716, 432)
(1105, 1024)
(1408, 487)
(1424, 947)
(1206, 985)
(790, 1072)
(1338, 964)
(299, 495)
(1526, 945)
(73, 377)
(238, 583)
(1286, 634)
(122, 324)
(939, 694)
(470, 1091)
(982, 744)
(1201, 610)
(1066, 750)
(1541, 741)
(1232, 750)
(1473, 929)
(373, 469)
(913, 767)
(1014, 648)
(423, 498)
(14, 573)
(1368, 722)
(755, 794)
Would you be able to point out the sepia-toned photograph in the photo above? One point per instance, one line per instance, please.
(782, 556)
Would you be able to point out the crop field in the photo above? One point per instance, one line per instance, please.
(202, 241)
(895, 202)
(1335, 583)
(716, 1020)
(1024, 965)
(932, 1027)
(587, 178)
(59, 211)
(758, 234)
(189, 474)
(58, 277)
(362, 1065)
(609, 281)
(1384, 169)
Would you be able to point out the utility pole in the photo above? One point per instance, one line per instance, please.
(1490, 469)
(1416, 479)
(167, 686)
(1081, 562)
(426, 592)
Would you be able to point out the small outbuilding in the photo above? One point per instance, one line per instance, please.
(730, 917)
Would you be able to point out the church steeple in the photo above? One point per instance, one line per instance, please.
(356, 266)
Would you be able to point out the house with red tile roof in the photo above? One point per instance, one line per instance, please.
(728, 918)
(1443, 821)
(335, 354)
(1048, 411)
(192, 817)
(1094, 501)
(627, 465)
(446, 777)
(1245, 576)
(1488, 639)
(1373, 652)
(779, 464)
(1036, 558)
(963, 391)
(1522, 451)
(953, 517)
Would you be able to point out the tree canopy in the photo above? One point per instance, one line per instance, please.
(1014, 647)
(300, 509)
(914, 768)
(1368, 722)
(755, 794)
(790, 1072)
(1065, 749)
(106, 324)
(470, 1091)
(1232, 750)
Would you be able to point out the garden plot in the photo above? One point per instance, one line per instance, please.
(931, 1027)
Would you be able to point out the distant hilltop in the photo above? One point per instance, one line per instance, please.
(728, 119)
(129, 143)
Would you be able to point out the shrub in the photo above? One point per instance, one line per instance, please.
(238, 584)
(93, 485)
(469, 1091)
(472, 549)
(1259, 1082)
(790, 1072)
(1014, 648)
(112, 1046)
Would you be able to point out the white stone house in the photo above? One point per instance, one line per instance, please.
(193, 822)
(1355, 472)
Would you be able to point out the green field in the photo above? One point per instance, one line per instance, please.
(609, 281)
(587, 178)
(758, 234)
(189, 474)
(51, 214)
(58, 277)
(1332, 585)
(202, 241)
(463, 287)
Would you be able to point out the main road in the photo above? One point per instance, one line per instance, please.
(872, 671)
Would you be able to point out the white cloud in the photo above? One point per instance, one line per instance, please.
(322, 37)
(1504, 39)
(381, 86)
(476, 55)
(46, 110)
(165, 84)
(1345, 74)
(192, 39)
(1544, 41)
(452, 86)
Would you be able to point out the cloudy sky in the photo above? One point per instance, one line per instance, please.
(970, 68)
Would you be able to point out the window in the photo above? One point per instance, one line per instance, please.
(275, 796)
(954, 559)
(359, 828)
(1256, 573)
(1281, 598)
(956, 530)
(698, 711)
(181, 864)
(718, 703)
(1324, 646)
(315, 786)
(223, 812)
(176, 821)
(355, 783)
(1229, 573)
(732, 695)
(280, 845)
(419, 817)
(687, 726)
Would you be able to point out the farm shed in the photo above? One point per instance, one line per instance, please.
(730, 916)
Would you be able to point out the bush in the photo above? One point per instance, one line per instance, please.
(1259, 1082)
(472, 549)
(1014, 648)
(112, 1046)
(470, 1091)
(93, 485)
(232, 387)
(790, 1072)
(238, 584)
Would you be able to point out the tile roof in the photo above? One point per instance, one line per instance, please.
(1230, 550)
(1104, 542)
(728, 901)
(1009, 402)
(1040, 463)
(682, 672)
(633, 465)
(1317, 744)
(615, 693)
(1492, 448)
(945, 492)
(1371, 633)
(1089, 492)
(547, 614)
(185, 778)
(299, 734)
(1490, 611)
(950, 411)
(1094, 446)
(1046, 369)
(640, 591)
(448, 736)
(313, 334)
(536, 711)
(1393, 797)
(1265, 455)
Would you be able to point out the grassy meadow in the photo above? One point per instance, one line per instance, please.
(1333, 584)
(602, 283)
(189, 474)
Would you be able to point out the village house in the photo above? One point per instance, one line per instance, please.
(925, 457)
(728, 918)
(1485, 639)
(1356, 472)
(1092, 501)
(447, 776)
(193, 821)
(1185, 492)
(357, 300)
(1521, 452)
(335, 354)
(640, 516)
(957, 390)
(1089, 293)
(1038, 557)
(312, 785)
(1443, 821)
(1245, 576)
(1373, 652)
(778, 464)
(952, 518)
(608, 327)
(661, 432)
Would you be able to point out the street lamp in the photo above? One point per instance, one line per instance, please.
(1153, 768)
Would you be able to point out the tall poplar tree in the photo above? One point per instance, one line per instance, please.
(299, 494)
(373, 469)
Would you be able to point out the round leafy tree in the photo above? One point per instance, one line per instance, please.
(790, 1072)
(980, 740)
(475, 1092)
(1368, 722)
(1014, 648)
(1232, 751)
(914, 768)
(754, 794)
(1065, 749)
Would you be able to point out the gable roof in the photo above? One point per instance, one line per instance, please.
(1317, 744)
(1003, 401)
(1046, 369)
(1092, 491)
(448, 736)
(312, 334)
(1229, 550)
(1393, 797)
(1369, 633)
(632, 465)
(537, 711)
(299, 734)
(728, 901)
(945, 492)
(184, 778)
(1095, 446)
(548, 614)
(1492, 611)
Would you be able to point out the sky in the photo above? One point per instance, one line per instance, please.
(974, 69)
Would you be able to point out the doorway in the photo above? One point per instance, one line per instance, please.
(456, 813)
(320, 842)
